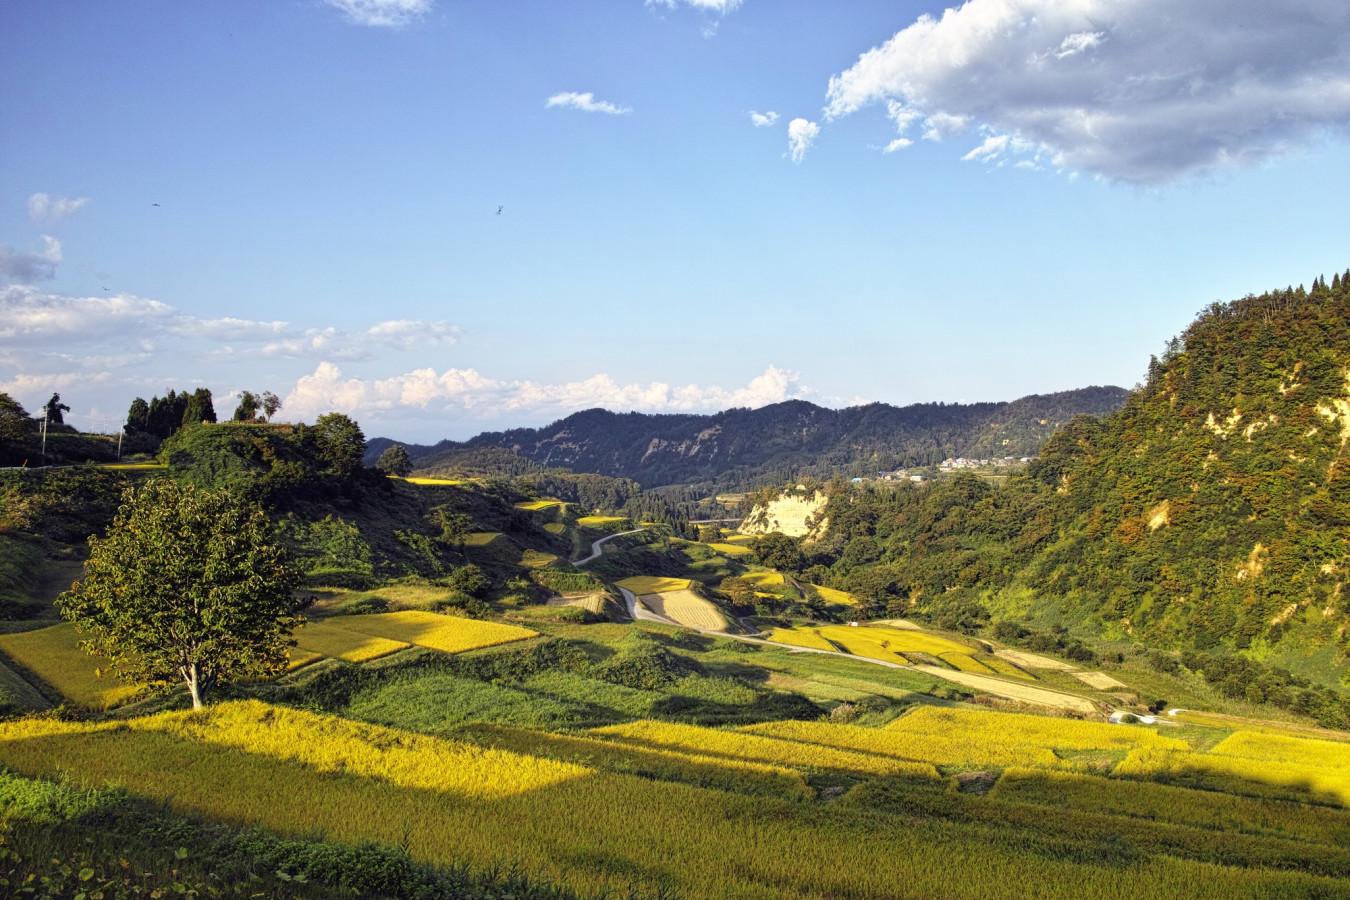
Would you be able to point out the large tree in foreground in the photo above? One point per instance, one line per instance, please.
(189, 585)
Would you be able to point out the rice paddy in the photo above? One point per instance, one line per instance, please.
(537, 559)
(53, 654)
(417, 479)
(448, 634)
(481, 538)
(602, 521)
(834, 595)
(732, 550)
(801, 637)
(542, 805)
(328, 637)
(540, 505)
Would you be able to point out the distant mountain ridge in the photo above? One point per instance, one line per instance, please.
(776, 442)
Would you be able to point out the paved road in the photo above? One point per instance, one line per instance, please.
(598, 548)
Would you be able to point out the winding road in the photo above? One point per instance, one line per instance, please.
(598, 548)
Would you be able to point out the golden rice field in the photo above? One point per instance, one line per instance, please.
(1287, 779)
(750, 745)
(834, 595)
(416, 479)
(454, 802)
(1001, 666)
(686, 608)
(652, 584)
(481, 538)
(764, 579)
(1178, 805)
(449, 634)
(537, 559)
(1330, 755)
(879, 640)
(133, 466)
(740, 775)
(328, 637)
(297, 658)
(53, 654)
(601, 521)
(731, 537)
(801, 637)
(963, 662)
(555, 528)
(732, 550)
(971, 738)
(538, 505)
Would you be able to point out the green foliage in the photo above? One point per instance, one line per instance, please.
(469, 579)
(330, 545)
(643, 663)
(395, 461)
(188, 585)
(340, 443)
(778, 551)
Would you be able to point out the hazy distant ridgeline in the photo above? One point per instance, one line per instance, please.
(778, 442)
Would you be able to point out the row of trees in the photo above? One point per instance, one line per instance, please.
(163, 416)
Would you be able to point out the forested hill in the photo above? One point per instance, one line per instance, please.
(779, 442)
(1212, 510)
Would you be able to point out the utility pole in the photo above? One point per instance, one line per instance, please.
(120, 432)
(44, 437)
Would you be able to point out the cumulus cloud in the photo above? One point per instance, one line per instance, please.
(16, 265)
(763, 119)
(407, 334)
(899, 143)
(1141, 91)
(327, 389)
(27, 314)
(382, 13)
(44, 208)
(585, 102)
(801, 134)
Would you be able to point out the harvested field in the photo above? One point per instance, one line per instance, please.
(1023, 693)
(686, 608)
(1099, 680)
(1033, 661)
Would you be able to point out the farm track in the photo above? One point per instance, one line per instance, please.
(598, 547)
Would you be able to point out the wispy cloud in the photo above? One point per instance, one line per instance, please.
(45, 208)
(763, 119)
(25, 268)
(586, 102)
(802, 133)
(382, 13)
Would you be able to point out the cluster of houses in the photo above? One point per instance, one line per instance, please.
(960, 462)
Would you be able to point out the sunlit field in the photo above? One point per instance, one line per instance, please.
(53, 655)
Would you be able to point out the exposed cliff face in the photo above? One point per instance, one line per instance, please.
(796, 514)
(780, 442)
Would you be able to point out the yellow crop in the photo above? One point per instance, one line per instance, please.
(1003, 667)
(298, 658)
(834, 595)
(733, 550)
(537, 505)
(600, 521)
(801, 637)
(895, 640)
(449, 634)
(651, 584)
(450, 803)
(963, 662)
(431, 481)
(54, 655)
(748, 745)
(537, 559)
(979, 725)
(1239, 775)
(480, 538)
(329, 638)
(1331, 755)
(764, 579)
(938, 749)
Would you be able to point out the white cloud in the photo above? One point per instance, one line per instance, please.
(382, 13)
(899, 143)
(27, 314)
(405, 334)
(44, 208)
(16, 265)
(227, 328)
(763, 119)
(28, 384)
(993, 147)
(586, 102)
(801, 134)
(721, 7)
(326, 389)
(1135, 90)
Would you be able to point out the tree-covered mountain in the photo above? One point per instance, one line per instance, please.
(1212, 511)
(741, 447)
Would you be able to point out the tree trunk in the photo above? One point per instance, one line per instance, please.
(193, 685)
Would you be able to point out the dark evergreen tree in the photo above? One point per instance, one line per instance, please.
(247, 410)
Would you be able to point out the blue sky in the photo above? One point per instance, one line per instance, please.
(328, 176)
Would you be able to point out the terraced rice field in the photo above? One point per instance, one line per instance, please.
(965, 663)
(764, 579)
(732, 550)
(537, 559)
(481, 538)
(602, 521)
(651, 584)
(888, 643)
(834, 595)
(801, 637)
(449, 634)
(329, 637)
(538, 505)
(1099, 680)
(625, 808)
(686, 608)
(449, 482)
(53, 654)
